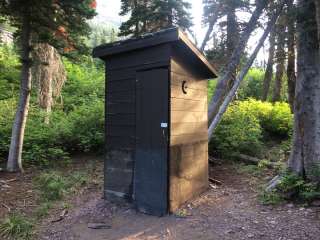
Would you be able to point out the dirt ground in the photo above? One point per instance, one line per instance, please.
(228, 211)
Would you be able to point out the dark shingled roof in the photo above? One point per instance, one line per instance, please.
(149, 40)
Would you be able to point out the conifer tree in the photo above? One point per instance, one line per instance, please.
(153, 15)
(170, 13)
(62, 24)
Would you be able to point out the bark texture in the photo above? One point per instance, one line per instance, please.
(305, 155)
(232, 29)
(49, 76)
(244, 71)
(317, 3)
(280, 58)
(14, 160)
(291, 68)
(269, 70)
(228, 73)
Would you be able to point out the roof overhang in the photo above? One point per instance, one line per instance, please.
(150, 40)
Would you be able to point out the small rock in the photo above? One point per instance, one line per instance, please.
(98, 226)
(290, 205)
(229, 231)
(315, 203)
(250, 235)
(273, 222)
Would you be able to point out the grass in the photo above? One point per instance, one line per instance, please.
(16, 227)
(43, 210)
(270, 198)
(53, 185)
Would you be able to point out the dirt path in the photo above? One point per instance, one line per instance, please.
(230, 211)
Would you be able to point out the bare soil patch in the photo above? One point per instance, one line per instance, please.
(229, 211)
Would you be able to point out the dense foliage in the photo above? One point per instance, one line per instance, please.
(247, 125)
(150, 16)
(77, 122)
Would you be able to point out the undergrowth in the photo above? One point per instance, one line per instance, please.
(17, 227)
(291, 188)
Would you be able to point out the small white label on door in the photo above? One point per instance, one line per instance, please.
(164, 125)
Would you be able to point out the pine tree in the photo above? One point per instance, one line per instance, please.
(215, 11)
(153, 15)
(170, 13)
(139, 11)
(62, 24)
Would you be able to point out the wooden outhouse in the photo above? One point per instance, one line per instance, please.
(156, 120)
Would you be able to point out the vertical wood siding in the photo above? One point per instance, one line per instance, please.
(121, 116)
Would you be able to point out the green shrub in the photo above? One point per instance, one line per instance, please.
(251, 86)
(10, 73)
(16, 227)
(7, 111)
(280, 121)
(52, 186)
(293, 187)
(84, 85)
(86, 128)
(238, 132)
(244, 124)
(43, 210)
(270, 198)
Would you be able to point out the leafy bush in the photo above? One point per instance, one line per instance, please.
(292, 187)
(243, 126)
(16, 227)
(238, 131)
(280, 121)
(251, 86)
(9, 68)
(85, 84)
(7, 110)
(76, 123)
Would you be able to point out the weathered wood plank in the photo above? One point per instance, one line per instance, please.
(189, 138)
(195, 94)
(182, 116)
(189, 174)
(181, 104)
(177, 80)
(188, 128)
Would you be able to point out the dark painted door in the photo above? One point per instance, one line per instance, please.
(151, 164)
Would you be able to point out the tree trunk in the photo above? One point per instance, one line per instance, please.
(269, 70)
(244, 72)
(212, 22)
(291, 68)
(280, 59)
(14, 160)
(48, 75)
(232, 30)
(305, 155)
(317, 3)
(227, 76)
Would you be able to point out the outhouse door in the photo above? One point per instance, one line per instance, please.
(151, 155)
